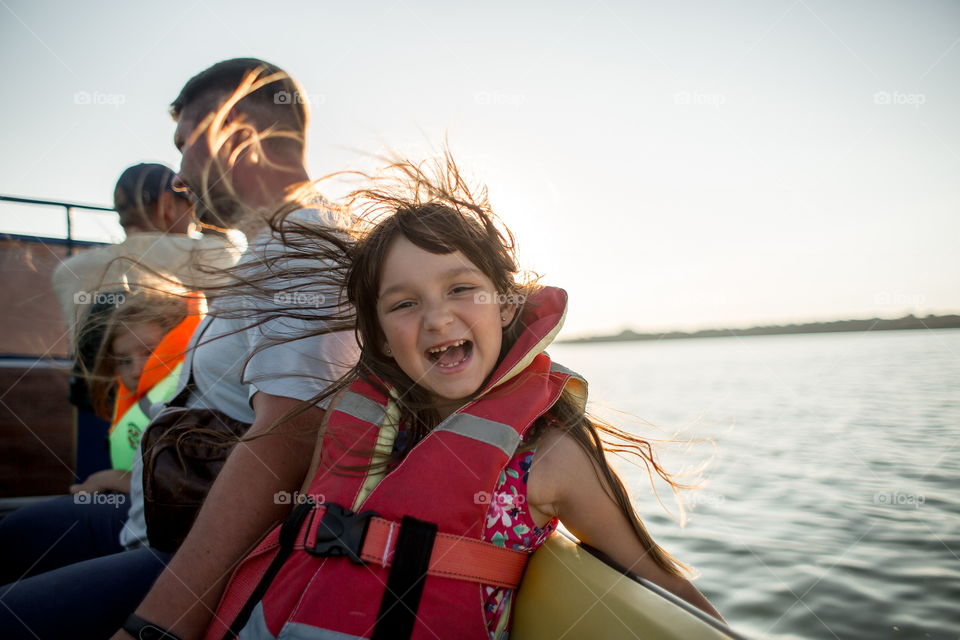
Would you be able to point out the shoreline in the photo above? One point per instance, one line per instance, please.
(907, 323)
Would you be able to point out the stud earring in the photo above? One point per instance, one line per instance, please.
(503, 318)
(387, 350)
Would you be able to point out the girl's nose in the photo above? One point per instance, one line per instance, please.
(437, 316)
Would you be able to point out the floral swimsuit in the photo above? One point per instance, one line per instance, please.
(509, 524)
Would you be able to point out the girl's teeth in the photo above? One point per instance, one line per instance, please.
(442, 349)
(443, 356)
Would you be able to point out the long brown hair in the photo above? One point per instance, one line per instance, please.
(433, 207)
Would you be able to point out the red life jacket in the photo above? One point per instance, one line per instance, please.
(424, 555)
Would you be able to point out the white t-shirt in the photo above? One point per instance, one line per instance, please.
(229, 369)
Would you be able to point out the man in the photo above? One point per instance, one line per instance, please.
(160, 225)
(243, 154)
(243, 158)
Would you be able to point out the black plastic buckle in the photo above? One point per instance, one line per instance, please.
(341, 533)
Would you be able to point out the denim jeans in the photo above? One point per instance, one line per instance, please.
(54, 533)
(70, 578)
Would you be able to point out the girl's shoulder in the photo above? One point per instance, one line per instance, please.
(554, 444)
(559, 460)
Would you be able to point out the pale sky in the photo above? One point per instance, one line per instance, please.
(672, 165)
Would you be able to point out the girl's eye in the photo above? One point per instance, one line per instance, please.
(462, 288)
(406, 304)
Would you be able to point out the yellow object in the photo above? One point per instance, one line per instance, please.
(569, 593)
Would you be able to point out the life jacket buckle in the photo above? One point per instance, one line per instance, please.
(341, 532)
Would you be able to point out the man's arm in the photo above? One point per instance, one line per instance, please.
(239, 510)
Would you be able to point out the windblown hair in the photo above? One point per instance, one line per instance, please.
(124, 308)
(433, 207)
(440, 215)
(249, 106)
(275, 90)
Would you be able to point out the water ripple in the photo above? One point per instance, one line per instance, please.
(831, 509)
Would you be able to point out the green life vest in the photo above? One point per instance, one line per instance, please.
(128, 428)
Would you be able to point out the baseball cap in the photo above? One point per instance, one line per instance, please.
(140, 186)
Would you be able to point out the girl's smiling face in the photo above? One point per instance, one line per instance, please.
(441, 320)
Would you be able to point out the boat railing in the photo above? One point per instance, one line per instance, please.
(68, 208)
(47, 444)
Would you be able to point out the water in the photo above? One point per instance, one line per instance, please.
(832, 508)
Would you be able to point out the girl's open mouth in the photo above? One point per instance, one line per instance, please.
(450, 355)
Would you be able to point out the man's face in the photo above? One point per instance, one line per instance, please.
(203, 169)
(194, 151)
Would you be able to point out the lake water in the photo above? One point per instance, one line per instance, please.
(832, 507)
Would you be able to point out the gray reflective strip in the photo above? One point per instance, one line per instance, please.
(559, 368)
(494, 433)
(149, 408)
(256, 627)
(297, 631)
(361, 408)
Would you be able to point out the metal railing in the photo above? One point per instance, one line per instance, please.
(68, 210)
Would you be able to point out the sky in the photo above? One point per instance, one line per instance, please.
(678, 165)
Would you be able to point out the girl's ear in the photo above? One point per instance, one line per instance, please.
(507, 312)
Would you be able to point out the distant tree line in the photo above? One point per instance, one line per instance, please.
(873, 324)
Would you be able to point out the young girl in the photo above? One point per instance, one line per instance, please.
(144, 336)
(136, 369)
(452, 455)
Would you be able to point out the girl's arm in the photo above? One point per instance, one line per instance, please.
(106, 480)
(565, 483)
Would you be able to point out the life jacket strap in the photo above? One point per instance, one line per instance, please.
(453, 556)
(400, 603)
